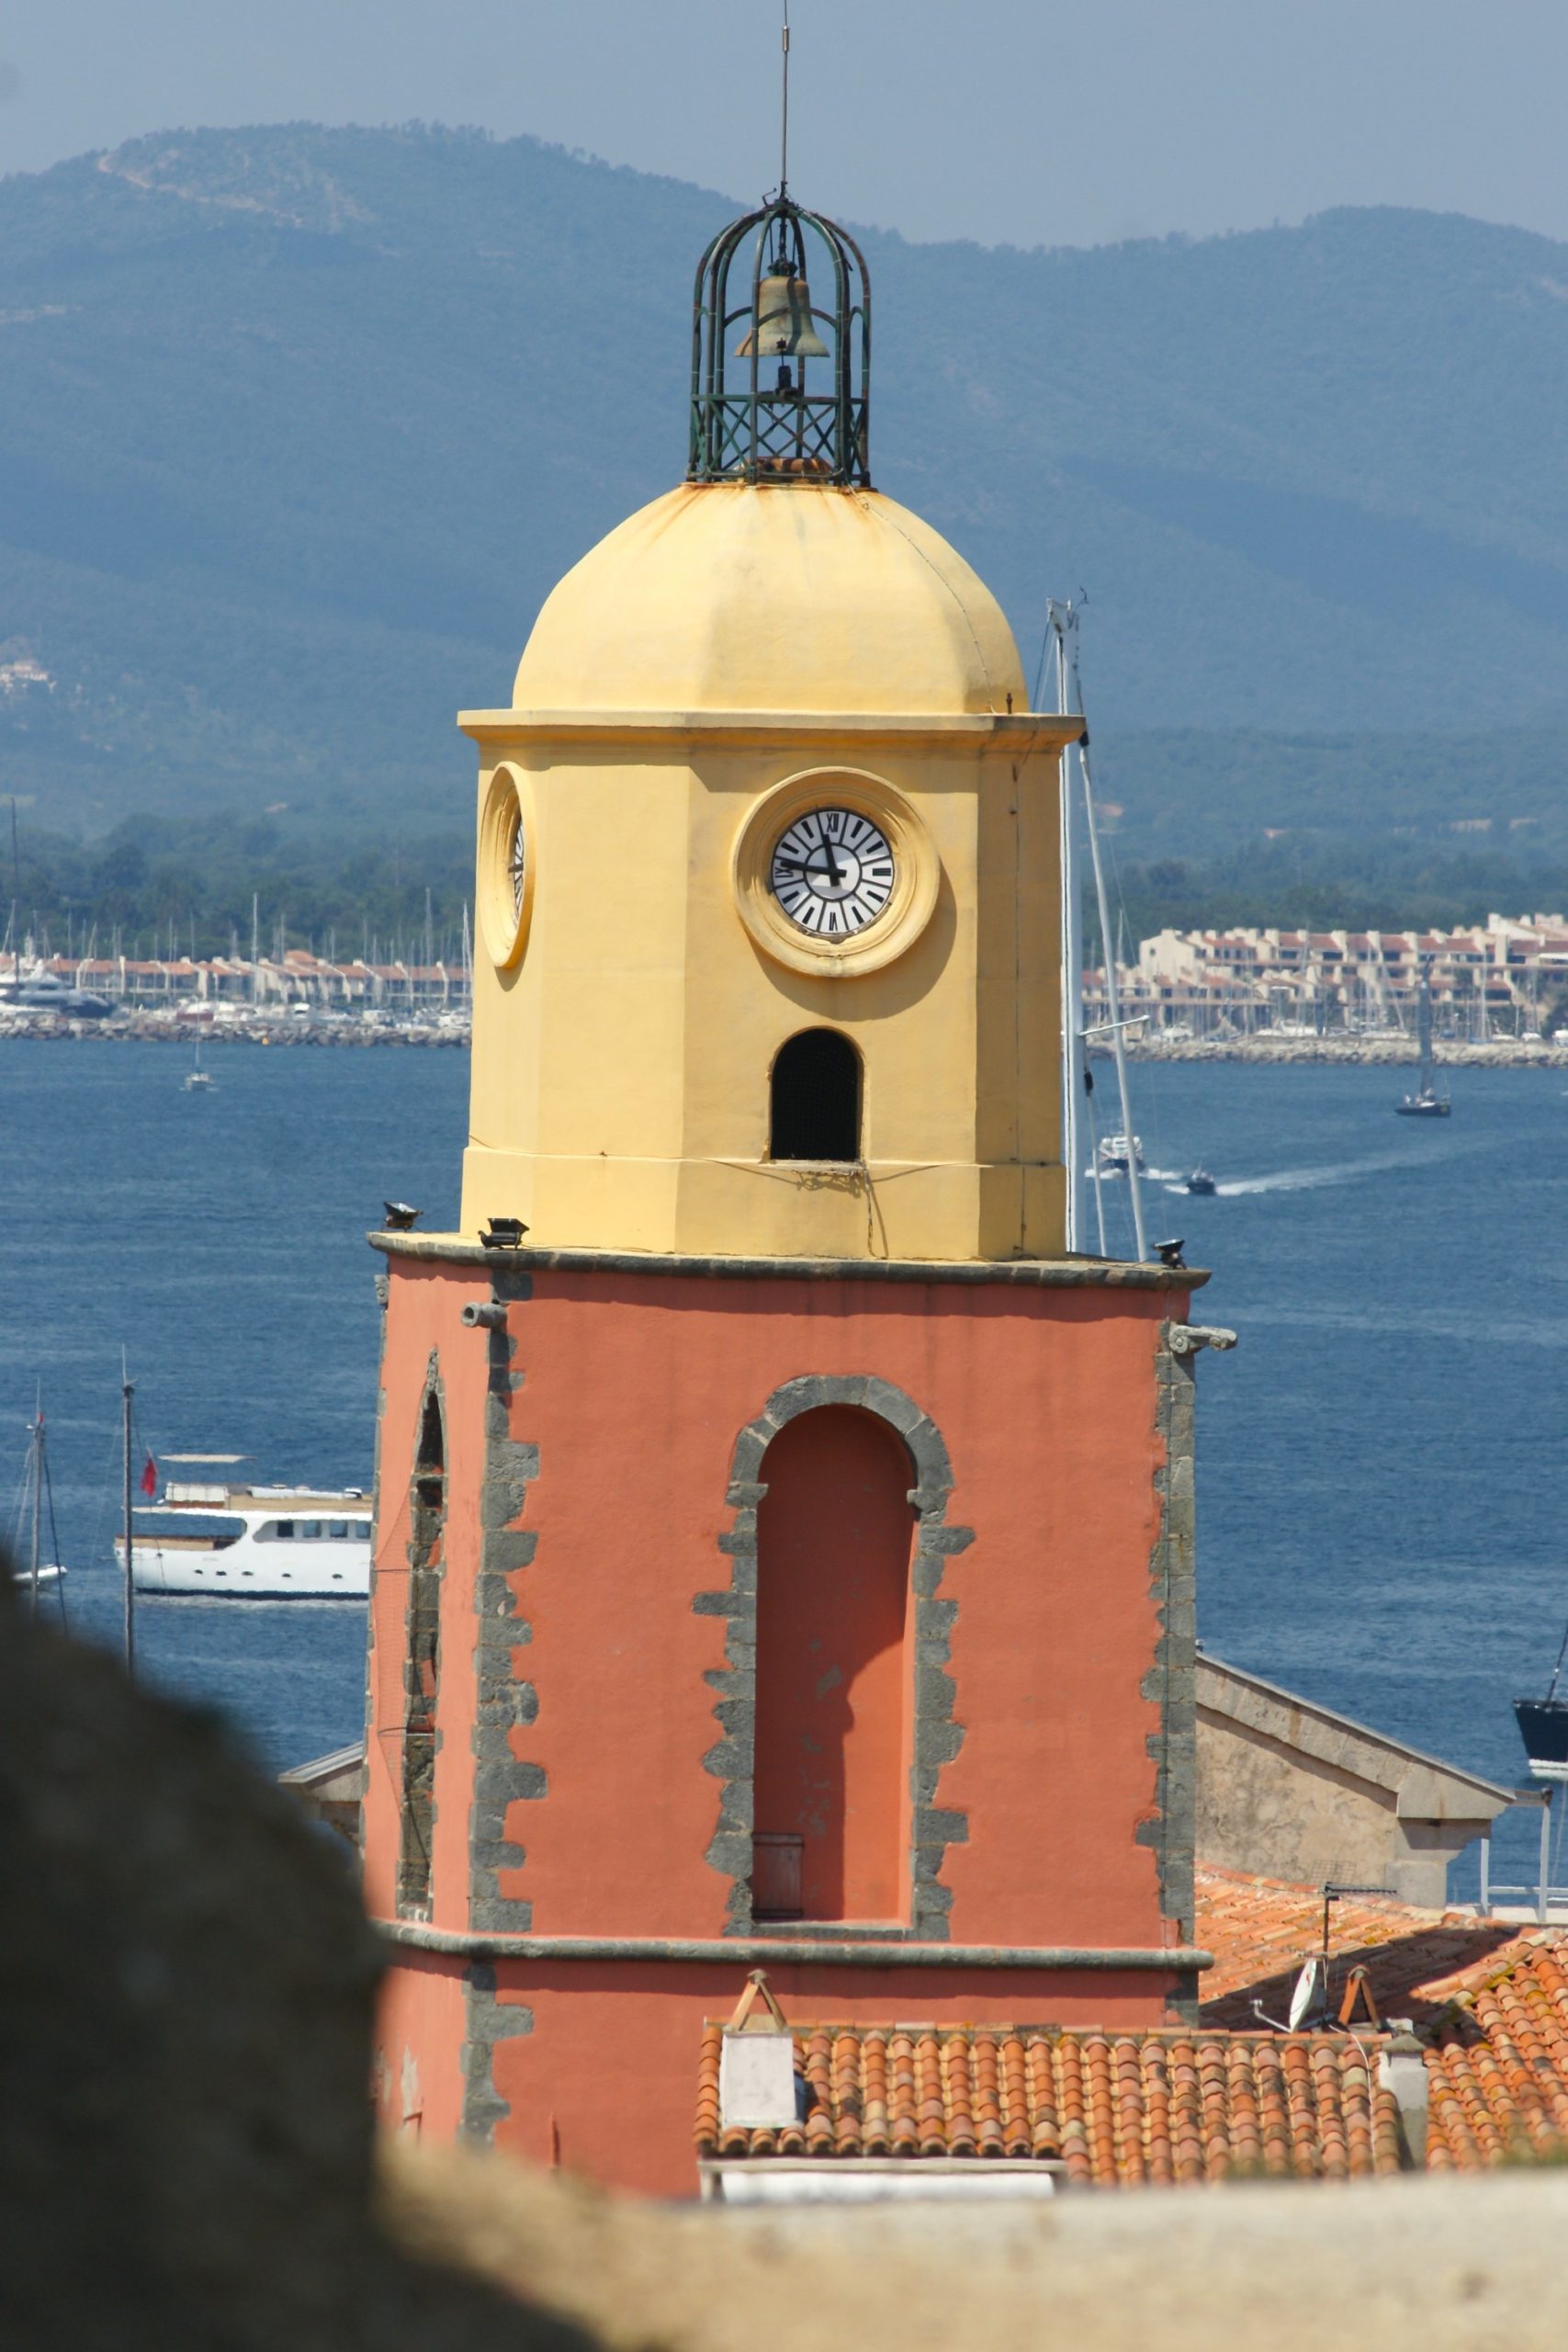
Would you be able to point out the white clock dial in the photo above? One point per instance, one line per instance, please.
(832, 872)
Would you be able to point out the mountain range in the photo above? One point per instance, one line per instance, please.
(299, 426)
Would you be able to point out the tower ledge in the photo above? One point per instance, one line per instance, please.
(1047, 1273)
(1023, 731)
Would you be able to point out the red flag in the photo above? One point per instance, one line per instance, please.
(149, 1477)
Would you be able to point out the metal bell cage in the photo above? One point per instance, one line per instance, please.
(779, 431)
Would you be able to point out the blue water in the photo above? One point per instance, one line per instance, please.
(1380, 1460)
(220, 1239)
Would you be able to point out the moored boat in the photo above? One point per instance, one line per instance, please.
(246, 1542)
(1543, 1727)
(1426, 1102)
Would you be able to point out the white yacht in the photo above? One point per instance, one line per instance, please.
(253, 1543)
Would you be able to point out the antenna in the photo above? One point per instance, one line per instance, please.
(783, 135)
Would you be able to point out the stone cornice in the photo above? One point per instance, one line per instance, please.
(1022, 731)
(1025, 1274)
(801, 1949)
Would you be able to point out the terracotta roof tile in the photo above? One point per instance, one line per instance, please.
(1111, 2110)
(1261, 1929)
(1497, 2069)
(1229, 2098)
(1489, 1999)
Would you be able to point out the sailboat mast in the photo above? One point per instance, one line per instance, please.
(1424, 1033)
(38, 1502)
(1063, 618)
(128, 1390)
(1072, 973)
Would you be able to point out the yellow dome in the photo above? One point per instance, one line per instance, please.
(726, 597)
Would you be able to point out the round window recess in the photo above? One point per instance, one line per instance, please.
(506, 868)
(834, 873)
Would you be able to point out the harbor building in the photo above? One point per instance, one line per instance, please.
(783, 1539)
(1503, 978)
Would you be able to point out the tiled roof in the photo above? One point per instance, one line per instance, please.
(1497, 2069)
(1261, 1929)
(1111, 2110)
(1487, 1999)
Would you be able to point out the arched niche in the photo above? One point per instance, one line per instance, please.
(834, 1670)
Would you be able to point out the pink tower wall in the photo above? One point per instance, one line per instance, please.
(610, 1761)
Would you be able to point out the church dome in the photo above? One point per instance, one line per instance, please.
(737, 598)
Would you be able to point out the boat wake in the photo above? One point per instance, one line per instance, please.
(1342, 1171)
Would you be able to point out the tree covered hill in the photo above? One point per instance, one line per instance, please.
(297, 427)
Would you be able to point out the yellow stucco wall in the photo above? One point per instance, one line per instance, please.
(727, 639)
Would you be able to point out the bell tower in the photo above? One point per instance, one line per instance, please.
(807, 1578)
(768, 772)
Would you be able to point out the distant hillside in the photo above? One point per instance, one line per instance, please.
(298, 426)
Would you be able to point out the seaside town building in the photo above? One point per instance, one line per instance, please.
(1501, 980)
(784, 1553)
(296, 977)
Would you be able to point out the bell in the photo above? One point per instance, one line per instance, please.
(784, 329)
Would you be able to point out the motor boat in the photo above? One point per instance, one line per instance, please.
(225, 1542)
(46, 992)
(1115, 1155)
(1200, 1182)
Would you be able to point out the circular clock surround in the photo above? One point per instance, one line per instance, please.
(507, 863)
(805, 834)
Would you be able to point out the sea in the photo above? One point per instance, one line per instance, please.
(1381, 1460)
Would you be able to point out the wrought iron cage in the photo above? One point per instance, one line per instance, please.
(773, 428)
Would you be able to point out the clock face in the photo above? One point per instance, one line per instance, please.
(832, 872)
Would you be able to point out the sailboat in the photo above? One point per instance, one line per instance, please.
(35, 1498)
(1426, 1102)
(196, 1079)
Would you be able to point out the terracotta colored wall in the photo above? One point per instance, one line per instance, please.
(833, 1659)
(420, 2030)
(423, 1321)
(634, 1389)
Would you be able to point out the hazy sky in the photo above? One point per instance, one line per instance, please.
(1017, 120)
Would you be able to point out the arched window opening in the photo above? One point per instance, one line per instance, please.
(429, 1461)
(835, 1684)
(422, 1667)
(815, 1106)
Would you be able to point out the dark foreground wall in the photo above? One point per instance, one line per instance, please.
(186, 1991)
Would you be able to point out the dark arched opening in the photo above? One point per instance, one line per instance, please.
(814, 1103)
(429, 1461)
(421, 1666)
(835, 1683)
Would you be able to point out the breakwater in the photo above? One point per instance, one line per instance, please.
(1503, 1052)
(257, 1028)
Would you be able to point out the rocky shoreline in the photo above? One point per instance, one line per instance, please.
(263, 1029)
(1504, 1053)
(258, 1029)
